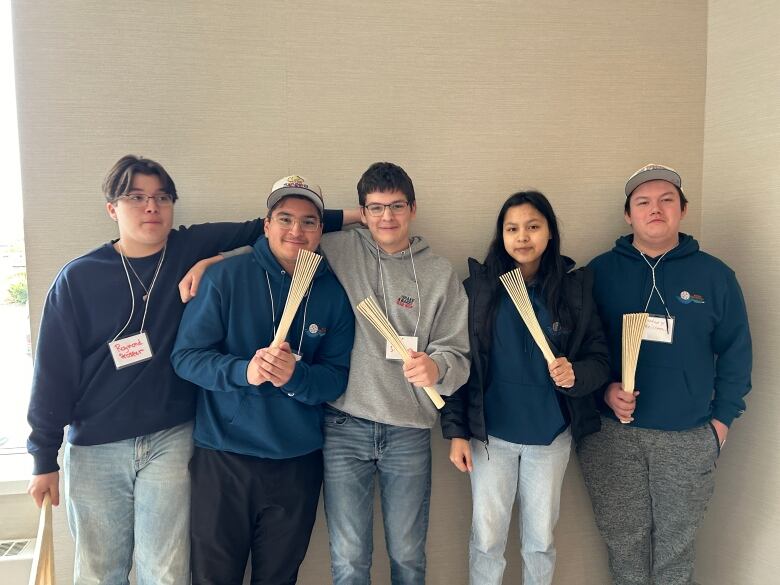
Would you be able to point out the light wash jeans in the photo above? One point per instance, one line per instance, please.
(131, 497)
(532, 475)
(355, 451)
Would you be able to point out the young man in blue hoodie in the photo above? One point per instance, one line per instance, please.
(649, 471)
(257, 466)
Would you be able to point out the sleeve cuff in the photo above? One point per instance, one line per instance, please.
(237, 373)
(441, 363)
(725, 416)
(44, 463)
(332, 220)
(293, 386)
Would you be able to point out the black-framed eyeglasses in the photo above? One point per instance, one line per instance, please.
(378, 209)
(308, 224)
(142, 200)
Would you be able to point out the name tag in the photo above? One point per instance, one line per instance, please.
(409, 343)
(297, 357)
(130, 350)
(659, 328)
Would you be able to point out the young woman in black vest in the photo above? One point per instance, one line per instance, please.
(512, 424)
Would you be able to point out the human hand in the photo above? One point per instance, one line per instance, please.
(188, 286)
(42, 484)
(562, 372)
(622, 403)
(460, 454)
(721, 429)
(274, 364)
(421, 370)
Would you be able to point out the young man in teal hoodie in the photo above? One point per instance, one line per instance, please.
(650, 469)
(257, 464)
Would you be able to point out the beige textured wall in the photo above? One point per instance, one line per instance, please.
(474, 99)
(741, 192)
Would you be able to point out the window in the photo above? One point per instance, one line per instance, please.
(15, 358)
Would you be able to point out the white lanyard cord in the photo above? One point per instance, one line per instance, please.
(132, 294)
(416, 284)
(305, 308)
(655, 287)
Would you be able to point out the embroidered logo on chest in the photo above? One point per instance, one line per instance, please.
(686, 298)
(405, 302)
(315, 330)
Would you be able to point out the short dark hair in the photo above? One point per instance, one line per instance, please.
(293, 196)
(119, 179)
(385, 177)
(683, 200)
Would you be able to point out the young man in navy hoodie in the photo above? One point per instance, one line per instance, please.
(257, 467)
(102, 367)
(650, 469)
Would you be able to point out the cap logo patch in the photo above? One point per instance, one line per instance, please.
(295, 181)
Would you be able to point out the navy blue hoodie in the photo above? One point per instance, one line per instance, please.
(223, 327)
(705, 372)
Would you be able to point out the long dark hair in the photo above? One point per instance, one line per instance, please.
(551, 267)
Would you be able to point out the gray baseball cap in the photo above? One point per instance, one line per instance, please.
(653, 172)
(296, 185)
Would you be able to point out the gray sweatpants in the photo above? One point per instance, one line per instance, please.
(649, 491)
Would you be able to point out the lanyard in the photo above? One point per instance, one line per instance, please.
(416, 284)
(273, 311)
(125, 261)
(654, 289)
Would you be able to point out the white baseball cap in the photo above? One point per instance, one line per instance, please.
(296, 185)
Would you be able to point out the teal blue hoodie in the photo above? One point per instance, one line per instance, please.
(228, 321)
(705, 372)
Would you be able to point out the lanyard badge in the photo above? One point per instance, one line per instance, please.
(130, 350)
(659, 328)
(409, 342)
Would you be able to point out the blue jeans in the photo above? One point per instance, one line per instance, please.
(532, 475)
(355, 450)
(127, 498)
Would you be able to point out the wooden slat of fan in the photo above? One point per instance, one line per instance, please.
(371, 311)
(515, 285)
(305, 266)
(633, 331)
(42, 572)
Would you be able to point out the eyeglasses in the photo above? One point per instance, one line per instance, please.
(308, 224)
(139, 200)
(378, 209)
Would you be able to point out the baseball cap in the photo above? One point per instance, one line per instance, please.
(296, 185)
(653, 172)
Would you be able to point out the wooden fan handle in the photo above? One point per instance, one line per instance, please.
(279, 339)
(437, 400)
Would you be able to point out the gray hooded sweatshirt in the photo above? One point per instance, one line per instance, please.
(377, 389)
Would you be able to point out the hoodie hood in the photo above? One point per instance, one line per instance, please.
(685, 247)
(655, 268)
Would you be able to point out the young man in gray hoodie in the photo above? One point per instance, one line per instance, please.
(381, 424)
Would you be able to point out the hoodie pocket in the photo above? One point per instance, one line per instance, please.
(665, 398)
(239, 407)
